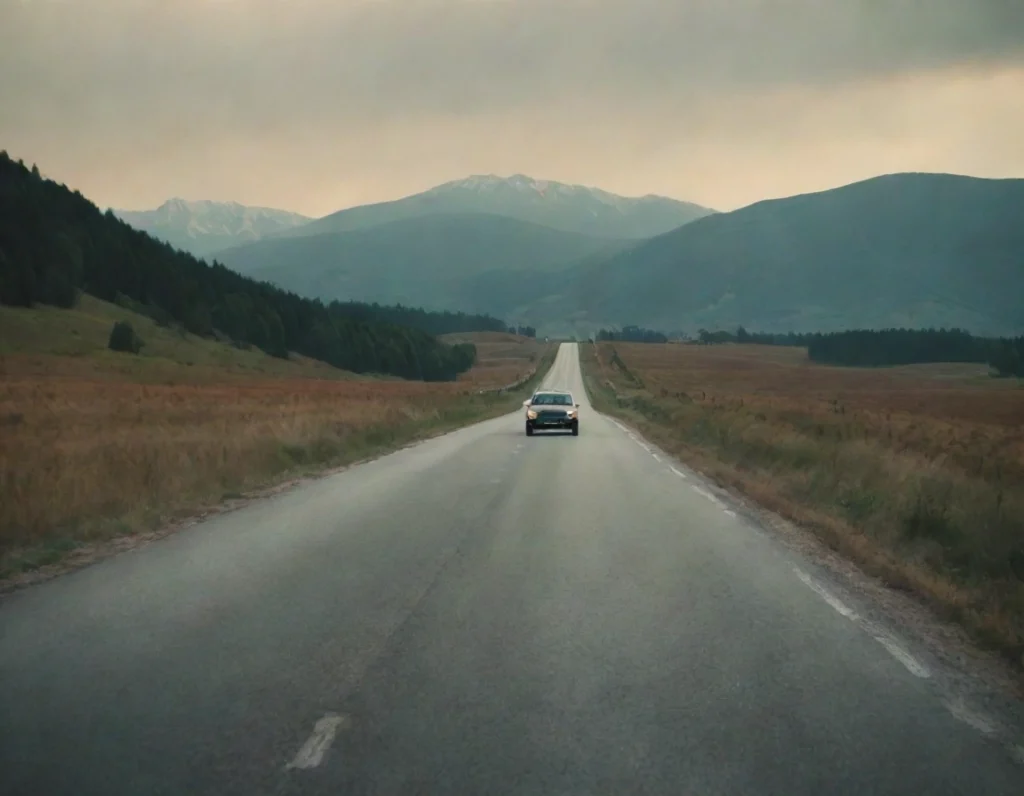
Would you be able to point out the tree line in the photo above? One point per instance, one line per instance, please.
(434, 322)
(55, 243)
(523, 331)
(865, 348)
(913, 346)
(882, 347)
(741, 335)
(632, 334)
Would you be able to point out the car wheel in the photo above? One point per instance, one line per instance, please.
(576, 429)
(529, 431)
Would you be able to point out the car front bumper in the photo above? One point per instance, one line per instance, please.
(543, 423)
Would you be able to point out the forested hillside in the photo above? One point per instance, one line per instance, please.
(54, 243)
(434, 323)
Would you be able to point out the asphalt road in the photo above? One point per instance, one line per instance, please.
(480, 614)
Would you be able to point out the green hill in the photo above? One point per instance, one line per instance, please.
(902, 250)
(55, 244)
(438, 261)
(73, 342)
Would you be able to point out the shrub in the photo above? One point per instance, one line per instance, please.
(123, 338)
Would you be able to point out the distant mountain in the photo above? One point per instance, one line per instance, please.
(914, 250)
(570, 208)
(201, 227)
(469, 261)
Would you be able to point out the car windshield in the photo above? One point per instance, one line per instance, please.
(552, 399)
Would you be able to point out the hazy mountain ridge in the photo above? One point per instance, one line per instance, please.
(909, 249)
(912, 249)
(569, 208)
(203, 226)
(438, 261)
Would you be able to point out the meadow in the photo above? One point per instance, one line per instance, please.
(915, 472)
(502, 359)
(96, 444)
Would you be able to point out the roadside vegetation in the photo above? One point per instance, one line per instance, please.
(503, 359)
(141, 384)
(915, 472)
(97, 445)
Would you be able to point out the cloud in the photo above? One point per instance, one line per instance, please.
(400, 57)
(189, 79)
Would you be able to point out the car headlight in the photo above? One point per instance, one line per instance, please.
(531, 414)
(571, 414)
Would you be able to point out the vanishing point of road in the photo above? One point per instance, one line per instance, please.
(479, 614)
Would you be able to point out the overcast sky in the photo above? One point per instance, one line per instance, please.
(315, 105)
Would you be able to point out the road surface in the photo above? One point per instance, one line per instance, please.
(480, 614)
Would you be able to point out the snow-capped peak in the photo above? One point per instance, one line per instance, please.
(561, 205)
(546, 189)
(202, 225)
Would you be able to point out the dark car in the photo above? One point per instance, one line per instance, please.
(551, 410)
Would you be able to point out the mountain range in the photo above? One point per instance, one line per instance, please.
(901, 250)
(908, 249)
(204, 227)
(435, 261)
(201, 227)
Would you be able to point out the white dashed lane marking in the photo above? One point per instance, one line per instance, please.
(910, 663)
(835, 602)
(708, 495)
(893, 647)
(957, 708)
(313, 750)
(965, 713)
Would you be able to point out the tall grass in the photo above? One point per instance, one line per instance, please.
(886, 466)
(82, 460)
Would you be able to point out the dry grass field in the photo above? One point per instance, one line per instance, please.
(502, 358)
(96, 444)
(915, 472)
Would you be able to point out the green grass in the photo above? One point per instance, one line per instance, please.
(74, 342)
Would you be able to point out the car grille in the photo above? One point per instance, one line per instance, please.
(551, 414)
